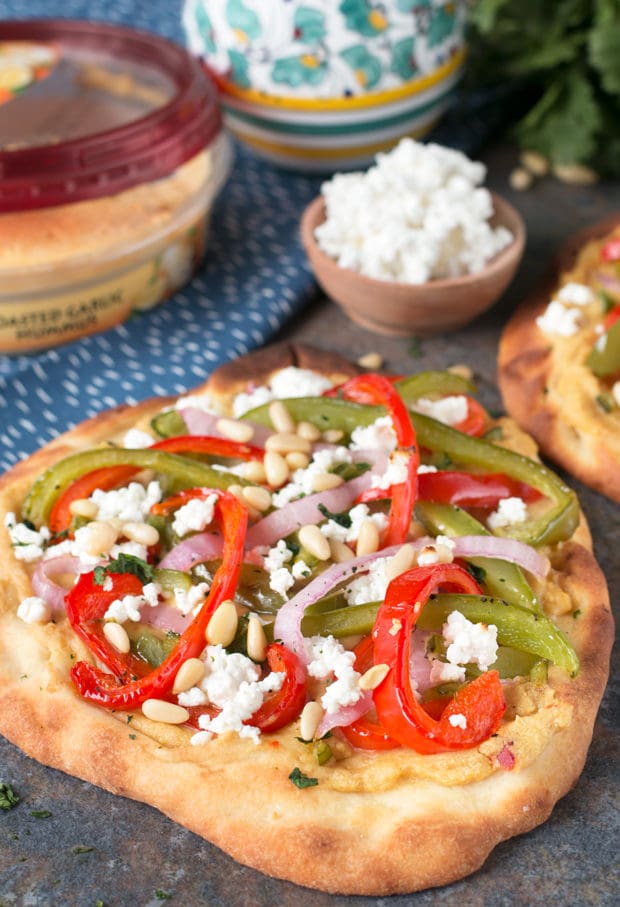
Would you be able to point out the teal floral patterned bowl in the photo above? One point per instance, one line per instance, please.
(321, 85)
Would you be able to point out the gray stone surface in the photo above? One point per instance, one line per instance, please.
(139, 856)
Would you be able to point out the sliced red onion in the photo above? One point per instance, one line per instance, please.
(507, 549)
(200, 422)
(165, 616)
(44, 585)
(197, 549)
(280, 523)
(346, 714)
(609, 281)
(287, 626)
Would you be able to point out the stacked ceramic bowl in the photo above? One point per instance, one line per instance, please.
(323, 85)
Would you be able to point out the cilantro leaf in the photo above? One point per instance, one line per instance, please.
(300, 780)
(8, 797)
(125, 563)
(343, 519)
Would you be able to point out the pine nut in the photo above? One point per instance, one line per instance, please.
(256, 642)
(284, 442)
(534, 162)
(373, 677)
(297, 460)
(309, 720)
(340, 552)
(575, 174)
(222, 627)
(142, 533)
(189, 675)
(166, 712)
(520, 179)
(254, 471)
(403, 560)
(280, 417)
(323, 481)
(373, 361)
(367, 538)
(333, 435)
(235, 431)
(116, 635)
(257, 497)
(97, 537)
(460, 368)
(84, 507)
(276, 469)
(315, 543)
(309, 431)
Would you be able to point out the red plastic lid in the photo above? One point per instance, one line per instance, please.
(88, 110)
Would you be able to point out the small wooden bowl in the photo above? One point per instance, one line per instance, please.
(403, 309)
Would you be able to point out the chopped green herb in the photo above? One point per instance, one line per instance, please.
(126, 563)
(162, 895)
(129, 719)
(293, 546)
(343, 519)
(300, 780)
(478, 573)
(606, 402)
(8, 797)
(132, 736)
(577, 613)
(607, 301)
(81, 848)
(40, 813)
(415, 348)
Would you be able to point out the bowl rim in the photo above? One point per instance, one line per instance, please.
(513, 250)
(371, 99)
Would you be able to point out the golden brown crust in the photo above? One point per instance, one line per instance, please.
(547, 386)
(407, 834)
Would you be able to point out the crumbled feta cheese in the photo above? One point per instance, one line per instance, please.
(285, 383)
(280, 578)
(444, 672)
(449, 410)
(380, 434)
(130, 504)
(420, 213)
(333, 530)
(576, 293)
(28, 544)
(371, 587)
(232, 684)
(558, 319)
(300, 569)
(136, 439)
(458, 721)
(424, 467)
(468, 642)
(301, 481)
(194, 516)
(187, 601)
(125, 608)
(34, 610)
(327, 658)
(133, 548)
(510, 512)
(204, 402)
(396, 472)
(192, 697)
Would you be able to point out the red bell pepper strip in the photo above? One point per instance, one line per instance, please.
(364, 733)
(463, 489)
(115, 692)
(475, 421)
(284, 705)
(611, 317)
(481, 702)
(373, 388)
(86, 604)
(113, 476)
(163, 508)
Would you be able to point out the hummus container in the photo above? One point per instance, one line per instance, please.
(111, 154)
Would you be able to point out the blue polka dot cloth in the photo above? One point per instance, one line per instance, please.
(254, 279)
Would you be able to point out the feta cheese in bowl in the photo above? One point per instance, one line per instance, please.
(416, 244)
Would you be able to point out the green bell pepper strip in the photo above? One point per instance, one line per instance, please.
(556, 524)
(517, 627)
(605, 360)
(184, 471)
(501, 578)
